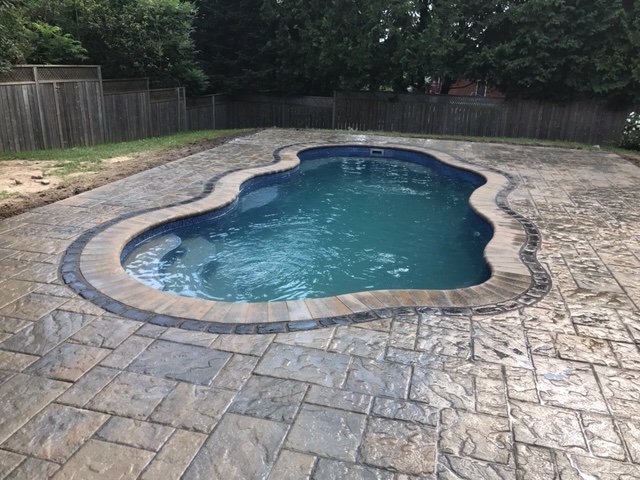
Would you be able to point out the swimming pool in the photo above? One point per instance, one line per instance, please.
(92, 264)
(349, 219)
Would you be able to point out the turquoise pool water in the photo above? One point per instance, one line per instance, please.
(340, 224)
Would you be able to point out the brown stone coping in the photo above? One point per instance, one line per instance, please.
(100, 267)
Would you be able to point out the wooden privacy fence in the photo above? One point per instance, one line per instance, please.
(418, 113)
(44, 107)
(134, 112)
(250, 111)
(208, 112)
(50, 107)
(168, 111)
(582, 121)
(127, 109)
(255, 111)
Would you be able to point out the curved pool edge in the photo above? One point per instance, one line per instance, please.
(91, 266)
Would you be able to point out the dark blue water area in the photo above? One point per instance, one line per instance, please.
(347, 220)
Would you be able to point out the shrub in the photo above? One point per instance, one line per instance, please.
(631, 132)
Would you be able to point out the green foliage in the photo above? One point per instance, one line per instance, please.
(634, 45)
(48, 44)
(230, 38)
(13, 35)
(546, 49)
(543, 49)
(128, 38)
(141, 38)
(559, 49)
(454, 36)
(342, 44)
(631, 134)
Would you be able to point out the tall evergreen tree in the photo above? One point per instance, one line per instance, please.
(561, 49)
(547, 49)
(342, 44)
(230, 37)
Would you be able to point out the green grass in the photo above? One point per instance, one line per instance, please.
(4, 195)
(623, 151)
(83, 159)
(87, 159)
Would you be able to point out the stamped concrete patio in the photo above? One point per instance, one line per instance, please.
(550, 390)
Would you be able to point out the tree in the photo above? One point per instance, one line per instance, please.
(48, 44)
(341, 44)
(128, 38)
(409, 46)
(634, 46)
(230, 37)
(545, 49)
(560, 49)
(141, 38)
(13, 35)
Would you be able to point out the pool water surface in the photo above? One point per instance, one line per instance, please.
(349, 222)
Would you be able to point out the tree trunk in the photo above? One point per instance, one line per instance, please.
(446, 85)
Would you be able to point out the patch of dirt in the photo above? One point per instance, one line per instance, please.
(21, 177)
(124, 158)
(18, 176)
(632, 157)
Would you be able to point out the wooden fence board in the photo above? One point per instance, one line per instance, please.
(250, 111)
(222, 106)
(78, 112)
(10, 137)
(52, 131)
(15, 123)
(200, 113)
(168, 111)
(126, 116)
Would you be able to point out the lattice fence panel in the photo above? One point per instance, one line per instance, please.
(18, 75)
(68, 74)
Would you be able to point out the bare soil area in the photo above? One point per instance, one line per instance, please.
(30, 187)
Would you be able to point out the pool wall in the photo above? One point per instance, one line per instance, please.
(92, 265)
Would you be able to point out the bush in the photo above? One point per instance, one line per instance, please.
(631, 133)
(50, 45)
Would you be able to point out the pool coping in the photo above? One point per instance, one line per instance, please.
(91, 265)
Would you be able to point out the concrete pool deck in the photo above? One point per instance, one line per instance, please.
(91, 265)
(550, 390)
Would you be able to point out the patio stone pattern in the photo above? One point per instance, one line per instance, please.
(91, 265)
(532, 379)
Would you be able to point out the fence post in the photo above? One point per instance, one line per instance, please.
(282, 113)
(333, 114)
(56, 101)
(213, 111)
(178, 108)
(183, 109)
(101, 107)
(45, 139)
(148, 124)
